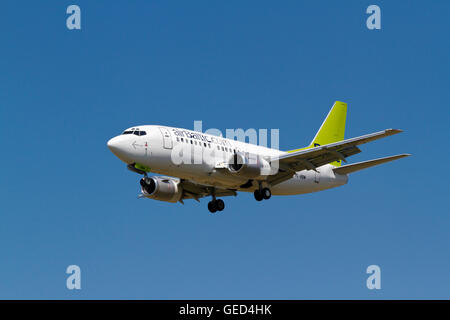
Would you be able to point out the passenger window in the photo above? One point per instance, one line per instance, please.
(218, 148)
(209, 145)
(178, 139)
(204, 143)
(223, 149)
(192, 142)
(182, 140)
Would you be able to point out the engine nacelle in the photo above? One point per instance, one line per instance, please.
(249, 167)
(161, 188)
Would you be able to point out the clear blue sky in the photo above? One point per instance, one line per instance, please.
(66, 199)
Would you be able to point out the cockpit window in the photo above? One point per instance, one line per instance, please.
(135, 132)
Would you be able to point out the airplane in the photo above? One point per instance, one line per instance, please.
(194, 165)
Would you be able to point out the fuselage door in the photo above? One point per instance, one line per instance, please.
(167, 138)
(317, 176)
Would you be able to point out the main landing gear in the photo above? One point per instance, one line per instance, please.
(215, 204)
(262, 193)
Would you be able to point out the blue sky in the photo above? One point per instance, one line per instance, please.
(65, 199)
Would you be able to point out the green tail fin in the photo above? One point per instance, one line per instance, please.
(332, 128)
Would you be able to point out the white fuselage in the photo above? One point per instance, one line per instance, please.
(198, 157)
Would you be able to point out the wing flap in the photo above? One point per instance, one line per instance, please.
(316, 159)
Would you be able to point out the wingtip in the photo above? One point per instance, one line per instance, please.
(403, 155)
(393, 131)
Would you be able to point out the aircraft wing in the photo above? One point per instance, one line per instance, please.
(312, 158)
(354, 167)
(193, 190)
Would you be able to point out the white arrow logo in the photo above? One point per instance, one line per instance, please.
(134, 144)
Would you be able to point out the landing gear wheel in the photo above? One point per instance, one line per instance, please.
(258, 195)
(212, 206)
(220, 205)
(266, 193)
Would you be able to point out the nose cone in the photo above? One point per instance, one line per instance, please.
(120, 146)
(114, 145)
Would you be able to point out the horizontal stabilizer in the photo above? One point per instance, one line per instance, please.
(350, 168)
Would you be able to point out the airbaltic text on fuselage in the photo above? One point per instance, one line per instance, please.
(200, 136)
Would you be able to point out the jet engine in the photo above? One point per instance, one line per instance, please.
(251, 166)
(161, 188)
